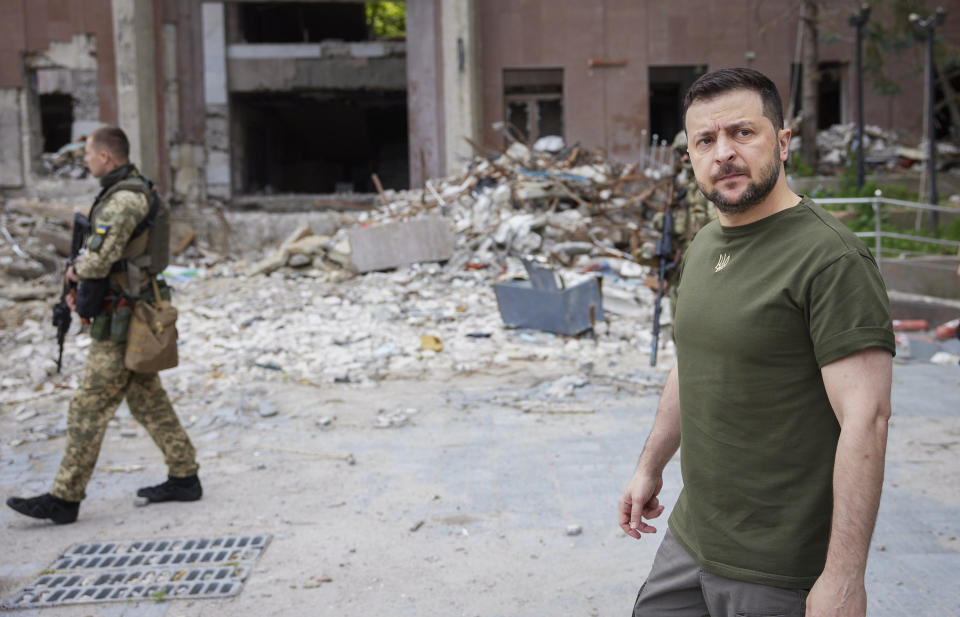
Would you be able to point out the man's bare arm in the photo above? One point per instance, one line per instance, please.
(858, 387)
(639, 501)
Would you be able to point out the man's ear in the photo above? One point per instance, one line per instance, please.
(783, 139)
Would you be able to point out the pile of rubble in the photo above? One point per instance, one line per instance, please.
(836, 147)
(569, 206)
(67, 162)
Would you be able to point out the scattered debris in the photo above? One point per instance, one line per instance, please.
(947, 330)
(317, 580)
(945, 359)
(267, 409)
(430, 342)
(574, 530)
(910, 325)
(67, 162)
(394, 419)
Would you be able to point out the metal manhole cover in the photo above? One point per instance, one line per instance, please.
(139, 570)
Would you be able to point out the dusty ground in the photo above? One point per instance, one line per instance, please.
(442, 485)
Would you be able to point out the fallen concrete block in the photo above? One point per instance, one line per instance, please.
(542, 303)
(268, 264)
(301, 232)
(310, 245)
(398, 244)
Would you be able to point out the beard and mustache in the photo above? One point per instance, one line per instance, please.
(755, 192)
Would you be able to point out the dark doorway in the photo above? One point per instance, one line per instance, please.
(56, 120)
(829, 93)
(668, 85)
(321, 142)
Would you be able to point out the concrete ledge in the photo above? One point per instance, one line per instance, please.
(915, 306)
(286, 74)
(927, 276)
(326, 49)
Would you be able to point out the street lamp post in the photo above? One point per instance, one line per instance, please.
(858, 21)
(927, 27)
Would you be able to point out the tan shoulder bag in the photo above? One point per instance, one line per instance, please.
(152, 337)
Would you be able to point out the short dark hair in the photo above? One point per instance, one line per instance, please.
(113, 140)
(711, 85)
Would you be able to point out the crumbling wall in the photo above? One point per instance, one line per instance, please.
(11, 163)
(70, 67)
(81, 86)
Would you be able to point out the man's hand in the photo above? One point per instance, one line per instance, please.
(640, 502)
(835, 595)
(71, 276)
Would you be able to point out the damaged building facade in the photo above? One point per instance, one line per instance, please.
(228, 99)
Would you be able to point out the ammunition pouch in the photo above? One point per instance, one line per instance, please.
(100, 328)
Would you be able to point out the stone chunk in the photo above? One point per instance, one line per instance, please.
(399, 244)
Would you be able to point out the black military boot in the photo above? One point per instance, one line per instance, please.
(174, 489)
(58, 510)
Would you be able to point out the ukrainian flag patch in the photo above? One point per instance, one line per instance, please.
(98, 236)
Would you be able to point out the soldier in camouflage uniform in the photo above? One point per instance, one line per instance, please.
(689, 214)
(106, 381)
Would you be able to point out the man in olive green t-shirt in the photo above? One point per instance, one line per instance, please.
(781, 392)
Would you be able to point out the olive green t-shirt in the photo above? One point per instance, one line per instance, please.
(762, 307)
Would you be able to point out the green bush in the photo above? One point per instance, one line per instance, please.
(387, 20)
(864, 219)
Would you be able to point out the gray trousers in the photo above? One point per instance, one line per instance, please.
(678, 587)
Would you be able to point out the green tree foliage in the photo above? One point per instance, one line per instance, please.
(890, 32)
(387, 20)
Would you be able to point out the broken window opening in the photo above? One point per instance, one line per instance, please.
(829, 92)
(668, 85)
(321, 142)
(533, 100)
(948, 75)
(301, 22)
(56, 120)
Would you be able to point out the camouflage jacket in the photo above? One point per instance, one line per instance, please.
(112, 222)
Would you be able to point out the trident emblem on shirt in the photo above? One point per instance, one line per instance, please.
(722, 262)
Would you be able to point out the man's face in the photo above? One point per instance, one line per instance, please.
(96, 159)
(735, 151)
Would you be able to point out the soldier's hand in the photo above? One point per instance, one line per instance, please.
(71, 276)
(71, 300)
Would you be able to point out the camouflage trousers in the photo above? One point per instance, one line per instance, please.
(105, 384)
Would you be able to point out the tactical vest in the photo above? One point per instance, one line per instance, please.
(147, 253)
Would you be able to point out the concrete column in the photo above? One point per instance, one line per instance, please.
(133, 37)
(217, 137)
(424, 91)
(11, 163)
(459, 45)
(31, 136)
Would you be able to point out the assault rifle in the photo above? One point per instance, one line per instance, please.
(61, 310)
(666, 256)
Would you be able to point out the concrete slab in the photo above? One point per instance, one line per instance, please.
(397, 244)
